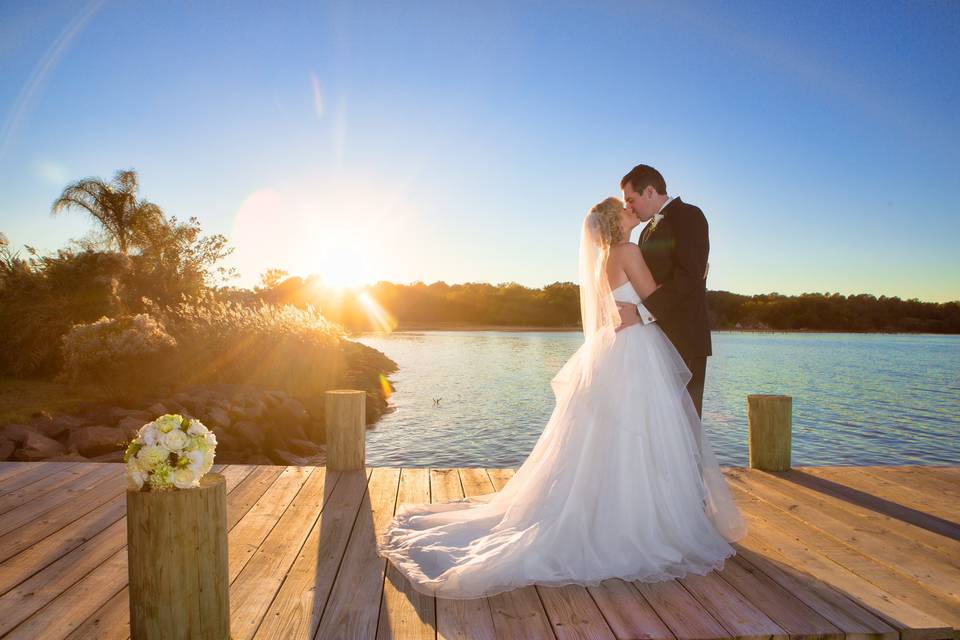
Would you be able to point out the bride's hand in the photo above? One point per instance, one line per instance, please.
(629, 315)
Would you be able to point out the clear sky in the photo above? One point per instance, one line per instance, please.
(464, 141)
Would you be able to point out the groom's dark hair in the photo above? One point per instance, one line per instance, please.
(643, 176)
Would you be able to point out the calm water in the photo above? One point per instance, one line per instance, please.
(857, 399)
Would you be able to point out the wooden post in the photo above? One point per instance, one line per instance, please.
(177, 562)
(345, 412)
(770, 426)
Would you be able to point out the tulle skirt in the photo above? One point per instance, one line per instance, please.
(622, 483)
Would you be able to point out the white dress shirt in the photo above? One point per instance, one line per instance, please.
(645, 316)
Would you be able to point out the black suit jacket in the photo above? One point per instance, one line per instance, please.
(676, 253)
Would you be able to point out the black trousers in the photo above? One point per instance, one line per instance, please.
(698, 367)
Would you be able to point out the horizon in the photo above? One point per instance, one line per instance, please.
(464, 144)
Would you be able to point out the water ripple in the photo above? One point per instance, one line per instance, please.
(857, 398)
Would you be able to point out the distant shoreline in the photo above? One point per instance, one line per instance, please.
(552, 329)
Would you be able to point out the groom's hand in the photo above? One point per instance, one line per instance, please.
(629, 315)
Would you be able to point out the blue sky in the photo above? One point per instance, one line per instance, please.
(464, 141)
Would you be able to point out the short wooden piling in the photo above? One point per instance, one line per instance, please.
(177, 562)
(770, 420)
(345, 412)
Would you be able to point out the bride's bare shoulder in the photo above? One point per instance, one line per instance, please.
(624, 251)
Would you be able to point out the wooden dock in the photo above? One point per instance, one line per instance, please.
(833, 552)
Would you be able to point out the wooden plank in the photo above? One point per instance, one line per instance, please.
(518, 613)
(854, 622)
(866, 500)
(903, 616)
(296, 609)
(255, 587)
(111, 620)
(52, 482)
(680, 611)
(573, 613)
(933, 506)
(926, 479)
(783, 607)
(44, 551)
(15, 475)
(941, 488)
(899, 553)
(730, 608)
(475, 481)
(459, 619)
(627, 612)
(100, 480)
(248, 534)
(54, 519)
(18, 492)
(834, 498)
(404, 611)
(103, 586)
(922, 596)
(354, 604)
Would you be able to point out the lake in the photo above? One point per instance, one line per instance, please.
(863, 399)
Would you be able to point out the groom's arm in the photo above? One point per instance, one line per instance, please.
(692, 248)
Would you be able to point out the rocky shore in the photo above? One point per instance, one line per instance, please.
(253, 426)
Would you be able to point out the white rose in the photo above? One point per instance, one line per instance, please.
(136, 475)
(196, 459)
(152, 455)
(196, 428)
(184, 478)
(148, 434)
(174, 440)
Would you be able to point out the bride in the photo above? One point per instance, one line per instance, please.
(622, 483)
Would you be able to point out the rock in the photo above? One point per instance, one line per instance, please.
(38, 447)
(315, 406)
(16, 432)
(93, 441)
(158, 409)
(226, 441)
(6, 448)
(131, 426)
(118, 413)
(73, 456)
(285, 457)
(250, 432)
(112, 456)
(193, 403)
(57, 426)
(304, 447)
(293, 409)
(218, 417)
(255, 409)
(316, 431)
(259, 458)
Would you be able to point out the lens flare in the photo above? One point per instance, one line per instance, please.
(379, 318)
(385, 385)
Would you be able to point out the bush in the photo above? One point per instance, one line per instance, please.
(124, 355)
(273, 347)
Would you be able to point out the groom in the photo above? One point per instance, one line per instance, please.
(675, 245)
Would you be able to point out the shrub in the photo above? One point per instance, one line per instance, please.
(124, 355)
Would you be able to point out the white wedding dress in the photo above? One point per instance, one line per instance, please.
(622, 483)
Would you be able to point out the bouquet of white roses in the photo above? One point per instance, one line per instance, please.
(172, 451)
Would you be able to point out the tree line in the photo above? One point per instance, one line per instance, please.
(557, 305)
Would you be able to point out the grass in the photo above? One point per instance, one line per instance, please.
(20, 398)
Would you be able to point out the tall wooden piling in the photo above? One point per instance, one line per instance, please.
(345, 412)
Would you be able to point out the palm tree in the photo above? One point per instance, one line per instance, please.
(115, 206)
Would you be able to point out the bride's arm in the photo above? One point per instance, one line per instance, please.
(637, 271)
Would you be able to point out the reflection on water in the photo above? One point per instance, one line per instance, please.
(857, 399)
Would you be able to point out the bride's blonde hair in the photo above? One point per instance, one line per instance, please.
(605, 219)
